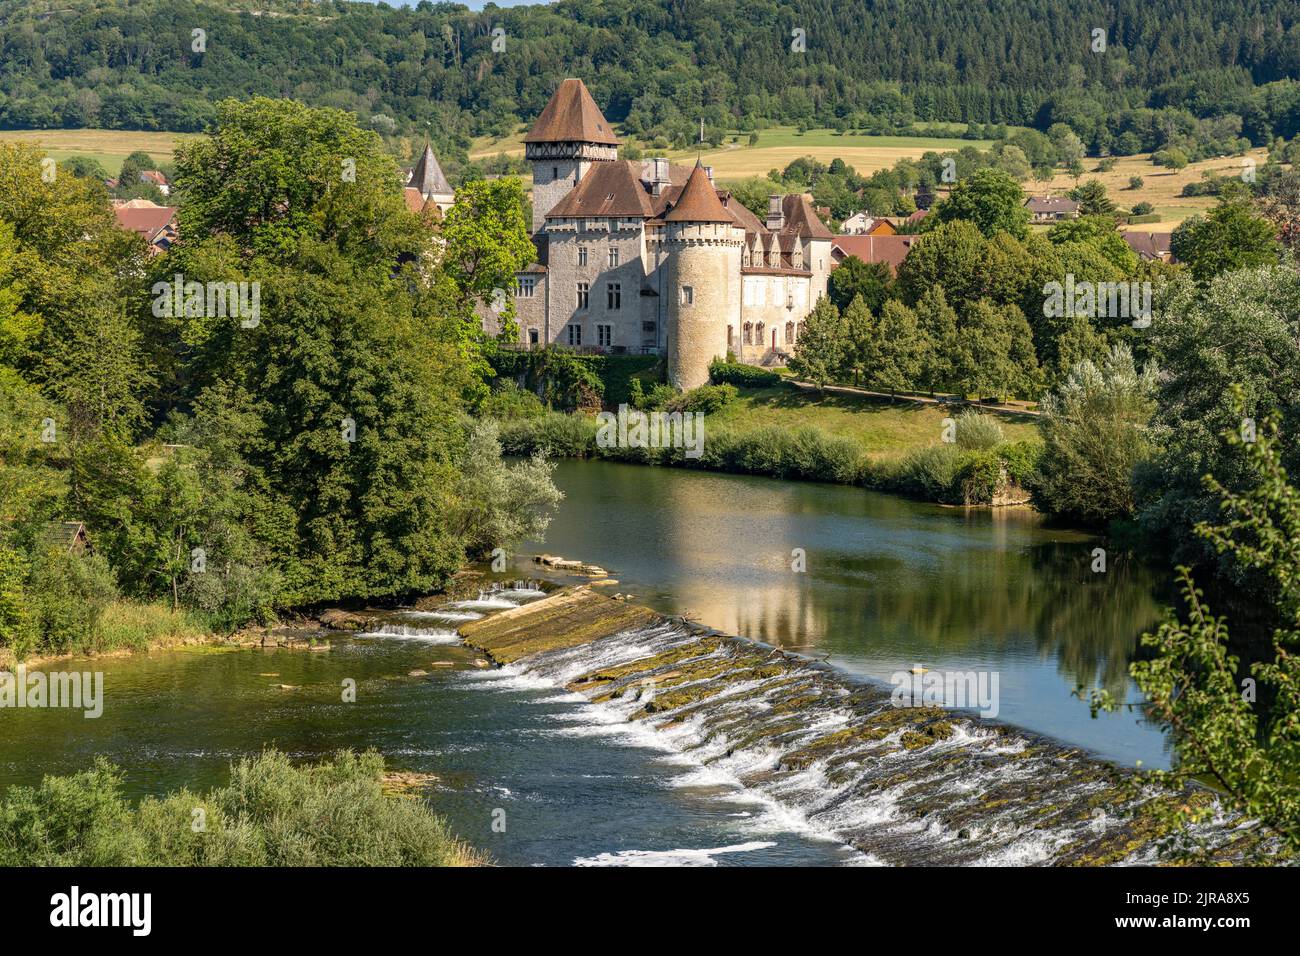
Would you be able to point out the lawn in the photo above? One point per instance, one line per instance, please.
(884, 429)
(109, 146)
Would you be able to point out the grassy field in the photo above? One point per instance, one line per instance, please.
(780, 145)
(1160, 187)
(884, 429)
(109, 146)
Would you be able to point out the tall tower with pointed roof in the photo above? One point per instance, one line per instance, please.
(703, 243)
(567, 138)
(429, 181)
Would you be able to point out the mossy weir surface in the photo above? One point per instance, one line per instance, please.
(900, 784)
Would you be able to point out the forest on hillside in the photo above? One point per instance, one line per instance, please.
(658, 66)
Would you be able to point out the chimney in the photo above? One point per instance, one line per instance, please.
(708, 171)
(659, 177)
(775, 213)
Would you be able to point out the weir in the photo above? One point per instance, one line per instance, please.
(904, 785)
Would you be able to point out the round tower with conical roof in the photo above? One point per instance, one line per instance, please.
(703, 244)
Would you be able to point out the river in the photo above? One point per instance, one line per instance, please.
(888, 584)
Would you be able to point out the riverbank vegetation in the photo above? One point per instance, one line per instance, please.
(301, 440)
(271, 813)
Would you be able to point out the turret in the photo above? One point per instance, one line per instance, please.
(704, 245)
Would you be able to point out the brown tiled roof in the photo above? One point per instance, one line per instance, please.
(918, 215)
(1149, 245)
(609, 189)
(891, 250)
(801, 220)
(699, 201)
(572, 116)
(1050, 204)
(744, 218)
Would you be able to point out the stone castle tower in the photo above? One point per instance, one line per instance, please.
(567, 138)
(703, 245)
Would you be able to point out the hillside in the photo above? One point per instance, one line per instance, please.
(658, 66)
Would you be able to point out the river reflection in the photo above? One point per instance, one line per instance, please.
(889, 583)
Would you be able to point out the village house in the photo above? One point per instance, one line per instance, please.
(157, 224)
(1048, 209)
(865, 224)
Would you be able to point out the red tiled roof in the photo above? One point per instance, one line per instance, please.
(572, 116)
(891, 250)
(146, 220)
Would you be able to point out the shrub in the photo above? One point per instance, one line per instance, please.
(507, 401)
(272, 813)
(978, 432)
(706, 398)
(979, 477)
(1022, 459)
(806, 453)
(659, 395)
(747, 376)
(554, 434)
(931, 472)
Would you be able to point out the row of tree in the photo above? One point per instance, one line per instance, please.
(234, 460)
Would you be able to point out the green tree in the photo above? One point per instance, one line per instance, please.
(1095, 429)
(820, 354)
(1092, 199)
(1232, 236)
(902, 351)
(990, 199)
(853, 277)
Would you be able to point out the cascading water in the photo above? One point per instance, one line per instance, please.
(903, 785)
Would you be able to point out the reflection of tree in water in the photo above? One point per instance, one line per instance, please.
(964, 600)
(1093, 621)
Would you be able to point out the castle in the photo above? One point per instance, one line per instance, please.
(648, 257)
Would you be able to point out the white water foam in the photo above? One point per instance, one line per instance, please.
(704, 857)
(424, 635)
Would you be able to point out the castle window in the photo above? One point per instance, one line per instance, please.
(582, 255)
(604, 335)
(526, 286)
(532, 337)
(584, 295)
(688, 295)
(575, 333)
(758, 333)
(789, 333)
(614, 296)
(613, 258)
(555, 172)
(731, 335)
(748, 338)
